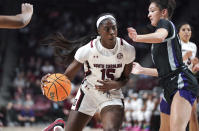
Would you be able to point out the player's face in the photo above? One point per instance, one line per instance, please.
(108, 32)
(185, 32)
(154, 14)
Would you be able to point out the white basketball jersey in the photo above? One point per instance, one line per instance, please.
(103, 64)
(190, 46)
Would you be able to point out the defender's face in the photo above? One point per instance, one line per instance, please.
(185, 32)
(108, 32)
(154, 14)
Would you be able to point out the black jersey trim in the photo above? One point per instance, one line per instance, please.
(174, 33)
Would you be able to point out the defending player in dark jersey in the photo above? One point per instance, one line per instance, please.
(179, 84)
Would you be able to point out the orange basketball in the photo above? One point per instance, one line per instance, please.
(58, 88)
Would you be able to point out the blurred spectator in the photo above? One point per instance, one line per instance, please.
(30, 76)
(149, 107)
(32, 64)
(38, 65)
(11, 114)
(3, 121)
(128, 111)
(66, 106)
(56, 110)
(27, 115)
(137, 115)
(34, 87)
(47, 67)
(29, 101)
(20, 80)
(18, 102)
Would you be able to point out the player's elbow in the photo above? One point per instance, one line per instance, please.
(161, 35)
(159, 39)
(21, 22)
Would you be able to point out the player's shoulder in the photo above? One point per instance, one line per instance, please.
(88, 46)
(164, 21)
(192, 43)
(125, 45)
(83, 52)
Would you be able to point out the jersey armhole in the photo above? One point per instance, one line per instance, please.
(121, 41)
(173, 31)
(91, 43)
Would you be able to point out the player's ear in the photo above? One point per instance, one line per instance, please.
(164, 12)
(98, 31)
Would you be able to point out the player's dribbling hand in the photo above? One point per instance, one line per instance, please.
(132, 33)
(43, 81)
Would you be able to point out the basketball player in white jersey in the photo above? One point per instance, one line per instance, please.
(19, 20)
(189, 50)
(107, 62)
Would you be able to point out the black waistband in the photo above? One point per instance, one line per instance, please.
(175, 72)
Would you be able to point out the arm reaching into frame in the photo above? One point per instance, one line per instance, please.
(157, 37)
(19, 20)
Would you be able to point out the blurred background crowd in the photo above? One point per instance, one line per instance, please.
(24, 60)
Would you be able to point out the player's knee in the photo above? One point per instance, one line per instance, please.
(177, 129)
(176, 126)
(164, 127)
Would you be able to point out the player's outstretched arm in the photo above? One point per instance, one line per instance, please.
(157, 37)
(19, 20)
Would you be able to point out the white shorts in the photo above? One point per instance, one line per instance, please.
(89, 100)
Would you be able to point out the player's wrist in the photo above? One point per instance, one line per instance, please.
(26, 16)
(142, 70)
(121, 83)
